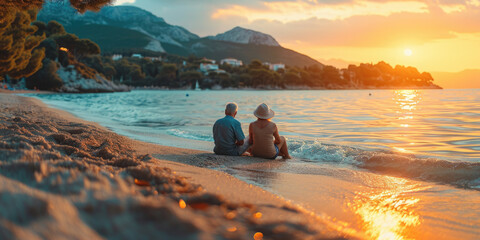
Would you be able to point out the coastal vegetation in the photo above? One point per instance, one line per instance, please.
(177, 72)
(23, 45)
(80, 5)
(61, 49)
(18, 58)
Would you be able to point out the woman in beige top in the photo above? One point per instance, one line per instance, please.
(264, 138)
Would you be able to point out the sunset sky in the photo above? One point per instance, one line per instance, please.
(442, 35)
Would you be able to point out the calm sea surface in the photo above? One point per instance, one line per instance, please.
(394, 131)
(349, 148)
(435, 123)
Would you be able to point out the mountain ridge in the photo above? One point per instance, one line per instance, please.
(246, 36)
(144, 30)
(128, 17)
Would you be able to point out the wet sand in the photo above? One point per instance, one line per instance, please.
(65, 178)
(370, 205)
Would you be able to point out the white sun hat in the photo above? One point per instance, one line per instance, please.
(263, 111)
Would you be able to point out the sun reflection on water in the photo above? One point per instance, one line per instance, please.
(388, 214)
(407, 101)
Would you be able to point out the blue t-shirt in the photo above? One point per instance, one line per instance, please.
(226, 131)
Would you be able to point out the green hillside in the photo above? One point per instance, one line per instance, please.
(247, 52)
(116, 39)
(110, 38)
(176, 50)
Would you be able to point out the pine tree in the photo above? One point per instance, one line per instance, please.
(92, 5)
(16, 5)
(80, 5)
(17, 40)
(78, 47)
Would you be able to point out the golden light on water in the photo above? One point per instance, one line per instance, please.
(407, 101)
(401, 149)
(388, 214)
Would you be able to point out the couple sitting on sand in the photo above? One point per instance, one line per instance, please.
(263, 140)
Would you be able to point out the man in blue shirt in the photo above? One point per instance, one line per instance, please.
(228, 134)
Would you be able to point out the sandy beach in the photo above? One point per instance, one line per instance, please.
(65, 178)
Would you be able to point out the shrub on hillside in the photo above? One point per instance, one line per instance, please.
(46, 78)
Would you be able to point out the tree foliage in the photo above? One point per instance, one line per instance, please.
(65, 49)
(80, 5)
(78, 47)
(17, 41)
(46, 78)
(51, 48)
(129, 73)
(180, 74)
(190, 78)
(54, 28)
(17, 38)
(16, 5)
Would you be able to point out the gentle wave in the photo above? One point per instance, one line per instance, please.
(460, 174)
(190, 135)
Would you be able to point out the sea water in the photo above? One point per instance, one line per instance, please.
(405, 147)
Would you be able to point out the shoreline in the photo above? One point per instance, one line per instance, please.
(68, 171)
(286, 89)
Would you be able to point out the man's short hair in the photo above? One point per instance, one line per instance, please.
(231, 108)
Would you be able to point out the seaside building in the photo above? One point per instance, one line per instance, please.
(276, 66)
(206, 67)
(116, 57)
(232, 61)
(137, 55)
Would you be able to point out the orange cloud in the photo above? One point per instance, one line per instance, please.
(290, 11)
(440, 40)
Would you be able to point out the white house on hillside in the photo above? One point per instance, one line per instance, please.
(205, 67)
(232, 61)
(116, 57)
(136, 55)
(276, 66)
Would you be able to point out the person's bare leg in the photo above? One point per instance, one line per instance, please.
(248, 153)
(284, 148)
